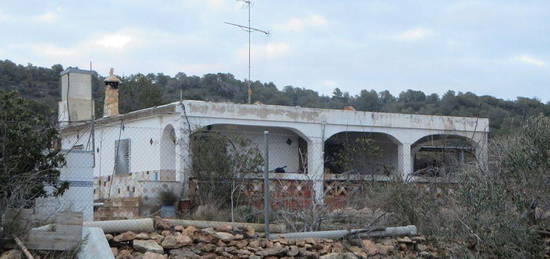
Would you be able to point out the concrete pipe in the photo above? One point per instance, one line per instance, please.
(336, 234)
(119, 226)
(273, 228)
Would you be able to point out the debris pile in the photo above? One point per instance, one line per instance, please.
(230, 242)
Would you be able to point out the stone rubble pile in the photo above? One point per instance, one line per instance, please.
(228, 242)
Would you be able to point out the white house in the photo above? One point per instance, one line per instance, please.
(142, 152)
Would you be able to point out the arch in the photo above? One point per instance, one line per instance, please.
(374, 153)
(168, 149)
(438, 155)
(332, 131)
(287, 146)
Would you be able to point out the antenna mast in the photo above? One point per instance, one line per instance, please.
(248, 29)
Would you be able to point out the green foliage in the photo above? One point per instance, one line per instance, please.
(142, 91)
(344, 157)
(28, 154)
(219, 163)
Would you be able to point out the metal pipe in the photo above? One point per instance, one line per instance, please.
(277, 228)
(266, 185)
(119, 226)
(409, 230)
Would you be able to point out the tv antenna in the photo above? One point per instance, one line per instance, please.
(250, 30)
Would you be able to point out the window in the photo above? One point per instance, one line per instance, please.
(122, 156)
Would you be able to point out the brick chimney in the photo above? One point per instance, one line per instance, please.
(110, 106)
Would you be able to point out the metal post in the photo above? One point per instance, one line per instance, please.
(266, 185)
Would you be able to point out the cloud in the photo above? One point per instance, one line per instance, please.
(300, 24)
(530, 60)
(329, 83)
(201, 69)
(4, 17)
(48, 17)
(265, 51)
(415, 34)
(114, 41)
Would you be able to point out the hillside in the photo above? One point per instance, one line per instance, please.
(139, 91)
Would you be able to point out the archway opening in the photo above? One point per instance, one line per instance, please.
(287, 148)
(168, 149)
(365, 153)
(441, 155)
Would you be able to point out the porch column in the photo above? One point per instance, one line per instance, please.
(183, 160)
(316, 167)
(482, 151)
(405, 160)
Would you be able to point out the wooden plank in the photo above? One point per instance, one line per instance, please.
(69, 218)
(67, 234)
(45, 240)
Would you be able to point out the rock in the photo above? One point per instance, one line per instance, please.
(422, 247)
(405, 240)
(254, 243)
(162, 224)
(170, 242)
(147, 246)
(385, 249)
(206, 238)
(126, 236)
(240, 243)
(358, 251)
(157, 237)
(150, 255)
(209, 255)
(425, 254)
(274, 251)
(190, 230)
(166, 233)
(114, 250)
(182, 253)
(311, 241)
(12, 254)
(249, 231)
(224, 236)
(209, 231)
(309, 254)
(337, 248)
(142, 236)
(137, 255)
(255, 257)
(370, 246)
(243, 252)
(224, 228)
(125, 254)
(184, 240)
(109, 237)
(208, 248)
(179, 228)
(293, 251)
(419, 239)
(220, 244)
(339, 256)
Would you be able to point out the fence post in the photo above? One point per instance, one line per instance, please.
(266, 185)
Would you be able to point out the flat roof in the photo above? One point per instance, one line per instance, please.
(299, 114)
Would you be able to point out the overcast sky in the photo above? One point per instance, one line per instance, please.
(499, 47)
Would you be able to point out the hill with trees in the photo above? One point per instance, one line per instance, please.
(140, 91)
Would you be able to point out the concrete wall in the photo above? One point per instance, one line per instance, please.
(76, 96)
(79, 197)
